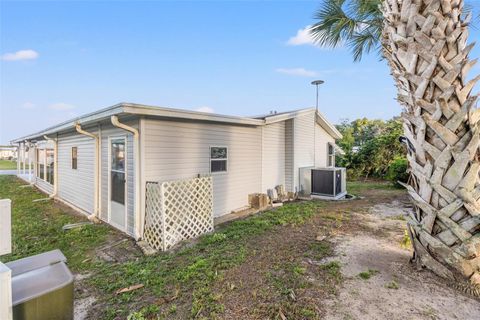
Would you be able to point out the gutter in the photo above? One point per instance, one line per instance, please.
(136, 147)
(96, 201)
(55, 164)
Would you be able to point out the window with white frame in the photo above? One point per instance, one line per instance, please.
(40, 163)
(218, 159)
(331, 155)
(45, 163)
(74, 158)
(50, 165)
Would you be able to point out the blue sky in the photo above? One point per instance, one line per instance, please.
(63, 59)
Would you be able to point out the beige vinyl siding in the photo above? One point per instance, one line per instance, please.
(108, 130)
(181, 150)
(310, 145)
(322, 138)
(43, 185)
(289, 155)
(304, 128)
(76, 186)
(273, 155)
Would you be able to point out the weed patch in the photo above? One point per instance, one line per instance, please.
(406, 243)
(365, 275)
(392, 285)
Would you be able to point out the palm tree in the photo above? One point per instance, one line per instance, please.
(425, 45)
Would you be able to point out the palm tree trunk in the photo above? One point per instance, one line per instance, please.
(425, 44)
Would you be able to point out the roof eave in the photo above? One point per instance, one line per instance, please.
(327, 126)
(86, 119)
(142, 110)
(286, 116)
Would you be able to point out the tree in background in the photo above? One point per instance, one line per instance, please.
(425, 45)
(371, 147)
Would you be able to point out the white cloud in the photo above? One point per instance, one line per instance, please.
(60, 106)
(205, 109)
(28, 105)
(301, 72)
(302, 37)
(20, 55)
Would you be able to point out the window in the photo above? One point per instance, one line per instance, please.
(331, 155)
(50, 163)
(118, 170)
(74, 158)
(41, 163)
(218, 159)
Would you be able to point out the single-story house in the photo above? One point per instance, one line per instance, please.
(100, 163)
(8, 152)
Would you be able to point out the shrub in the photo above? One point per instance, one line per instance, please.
(397, 171)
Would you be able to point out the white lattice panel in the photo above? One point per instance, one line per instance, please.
(178, 210)
(153, 233)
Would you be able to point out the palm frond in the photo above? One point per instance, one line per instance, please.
(354, 23)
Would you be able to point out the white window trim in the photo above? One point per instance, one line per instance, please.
(221, 159)
(71, 158)
(41, 160)
(329, 144)
(109, 182)
(47, 166)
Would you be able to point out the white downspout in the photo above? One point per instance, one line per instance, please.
(23, 159)
(96, 210)
(55, 165)
(136, 148)
(18, 159)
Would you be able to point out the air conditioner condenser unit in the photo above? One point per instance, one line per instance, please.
(323, 183)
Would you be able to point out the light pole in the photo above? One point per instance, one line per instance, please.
(317, 83)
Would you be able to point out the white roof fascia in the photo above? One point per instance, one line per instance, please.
(285, 116)
(85, 119)
(138, 109)
(330, 128)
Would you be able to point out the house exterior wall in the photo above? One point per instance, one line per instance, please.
(309, 146)
(303, 137)
(76, 186)
(289, 155)
(273, 155)
(180, 150)
(43, 185)
(322, 139)
(259, 158)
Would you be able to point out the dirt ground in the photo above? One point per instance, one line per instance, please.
(367, 239)
(395, 290)
(347, 262)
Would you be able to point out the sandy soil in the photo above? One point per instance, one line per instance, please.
(420, 295)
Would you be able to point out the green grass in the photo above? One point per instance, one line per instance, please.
(37, 227)
(356, 187)
(8, 165)
(365, 275)
(406, 242)
(194, 270)
(333, 268)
